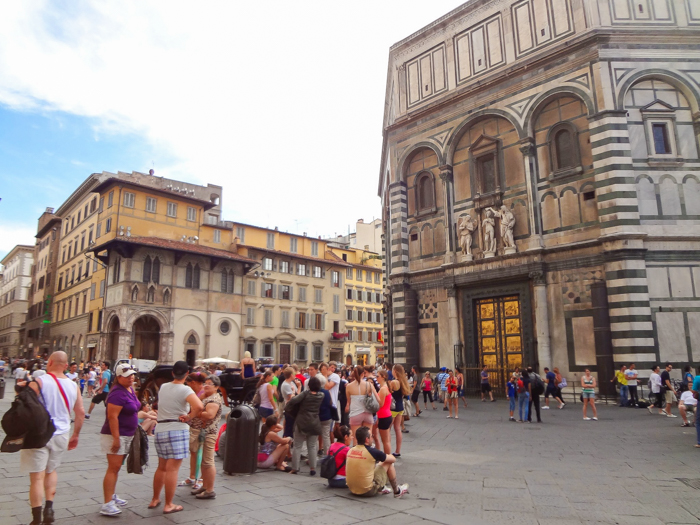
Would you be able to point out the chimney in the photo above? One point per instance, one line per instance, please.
(304, 234)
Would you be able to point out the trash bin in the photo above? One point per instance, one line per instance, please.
(2, 388)
(242, 428)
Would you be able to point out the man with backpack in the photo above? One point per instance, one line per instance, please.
(106, 380)
(537, 389)
(59, 394)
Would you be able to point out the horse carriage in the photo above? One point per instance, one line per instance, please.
(234, 388)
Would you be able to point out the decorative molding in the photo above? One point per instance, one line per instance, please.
(538, 278)
(521, 105)
(581, 80)
(441, 137)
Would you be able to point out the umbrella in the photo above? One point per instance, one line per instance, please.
(218, 360)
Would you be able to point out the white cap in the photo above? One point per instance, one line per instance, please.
(125, 370)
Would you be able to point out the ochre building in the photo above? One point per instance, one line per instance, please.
(541, 189)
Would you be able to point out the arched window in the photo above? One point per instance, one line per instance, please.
(192, 276)
(192, 340)
(155, 272)
(147, 269)
(564, 149)
(425, 193)
(227, 281)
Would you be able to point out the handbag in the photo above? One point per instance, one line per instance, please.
(393, 404)
(256, 399)
(138, 452)
(371, 403)
(563, 383)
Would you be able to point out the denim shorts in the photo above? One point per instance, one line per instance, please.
(588, 395)
(511, 400)
(265, 412)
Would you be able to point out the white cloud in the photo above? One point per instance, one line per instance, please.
(14, 233)
(279, 102)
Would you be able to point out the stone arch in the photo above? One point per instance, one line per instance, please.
(456, 135)
(405, 157)
(683, 84)
(439, 241)
(427, 247)
(134, 293)
(646, 196)
(146, 337)
(669, 195)
(548, 96)
(191, 334)
(691, 195)
(549, 204)
(569, 206)
(159, 316)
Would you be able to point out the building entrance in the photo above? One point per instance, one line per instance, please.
(285, 353)
(499, 337)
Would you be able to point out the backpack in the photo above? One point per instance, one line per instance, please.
(537, 385)
(328, 467)
(27, 423)
(111, 378)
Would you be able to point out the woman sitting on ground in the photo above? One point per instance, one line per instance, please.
(340, 448)
(273, 449)
(148, 418)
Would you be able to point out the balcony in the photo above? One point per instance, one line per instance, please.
(335, 336)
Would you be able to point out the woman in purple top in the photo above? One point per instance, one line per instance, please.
(117, 433)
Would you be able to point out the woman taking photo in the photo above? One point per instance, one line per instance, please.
(452, 393)
(273, 449)
(204, 430)
(304, 408)
(266, 391)
(399, 388)
(588, 384)
(384, 413)
(117, 433)
(357, 391)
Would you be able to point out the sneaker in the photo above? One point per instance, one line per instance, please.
(685, 424)
(320, 453)
(649, 409)
(594, 418)
(121, 502)
(512, 419)
(562, 406)
(87, 416)
(110, 509)
(586, 418)
(671, 415)
(403, 489)
(449, 417)
(386, 490)
(545, 408)
(456, 417)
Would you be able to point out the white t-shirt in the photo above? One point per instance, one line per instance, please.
(92, 375)
(336, 387)
(172, 403)
(688, 399)
(19, 373)
(655, 383)
(631, 376)
(73, 376)
(321, 378)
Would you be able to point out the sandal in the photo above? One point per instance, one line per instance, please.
(207, 495)
(177, 508)
(189, 482)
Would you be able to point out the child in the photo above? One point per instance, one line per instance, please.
(148, 418)
(510, 391)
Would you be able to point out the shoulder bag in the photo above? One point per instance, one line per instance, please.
(371, 403)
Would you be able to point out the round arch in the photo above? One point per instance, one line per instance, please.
(456, 135)
(146, 332)
(675, 79)
(401, 171)
(160, 317)
(547, 97)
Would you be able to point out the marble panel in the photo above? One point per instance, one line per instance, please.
(671, 333)
(584, 341)
(681, 282)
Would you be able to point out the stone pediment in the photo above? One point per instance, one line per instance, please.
(658, 106)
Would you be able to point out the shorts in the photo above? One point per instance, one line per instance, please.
(265, 412)
(207, 447)
(47, 458)
(485, 388)
(365, 418)
(550, 392)
(173, 444)
(384, 423)
(99, 398)
(106, 444)
(378, 483)
(511, 401)
(268, 462)
(689, 408)
(452, 395)
(670, 396)
(91, 383)
(588, 395)
(414, 396)
(461, 392)
(396, 414)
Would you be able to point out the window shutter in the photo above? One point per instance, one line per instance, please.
(323, 321)
(296, 320)
(274, 266)
(308, 321)
(381, 317)
(291, 293)
(262, 289)
(291, 268)
(274, 291)
(354, 315)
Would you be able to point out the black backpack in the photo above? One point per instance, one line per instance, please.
(537, 385)
(328, 467)
(27, 423)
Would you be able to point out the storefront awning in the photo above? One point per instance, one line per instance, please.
(362, 351)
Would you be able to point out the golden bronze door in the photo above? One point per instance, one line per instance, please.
(499, 338)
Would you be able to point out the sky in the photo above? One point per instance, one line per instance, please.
(279, 102)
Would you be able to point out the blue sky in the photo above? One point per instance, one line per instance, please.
(279, 102)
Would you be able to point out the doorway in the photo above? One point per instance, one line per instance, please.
(146, 337)
(499, 337)
(285, 353)
(190, 357)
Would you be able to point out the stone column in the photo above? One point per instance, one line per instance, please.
(544, 350)
(124, 344)
(453, 315)
(447, 192)
(527, 148)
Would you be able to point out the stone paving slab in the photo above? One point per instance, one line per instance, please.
(479, 469)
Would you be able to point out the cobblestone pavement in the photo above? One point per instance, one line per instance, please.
(481, 468)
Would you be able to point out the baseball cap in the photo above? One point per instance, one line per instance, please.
(125, 370)
(443, 369)
(180, 368)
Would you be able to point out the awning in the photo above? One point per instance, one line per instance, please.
(91, 345)
(362, 351)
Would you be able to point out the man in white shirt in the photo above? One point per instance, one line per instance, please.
(41, 463)
(655, 383)
(687, 403)
(631, 376)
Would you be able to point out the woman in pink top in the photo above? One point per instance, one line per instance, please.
(384, 413)
(427, 387)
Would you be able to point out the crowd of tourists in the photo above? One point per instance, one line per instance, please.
(348, 419)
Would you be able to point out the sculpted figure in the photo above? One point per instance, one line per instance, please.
(466, 227)
(488, 227)
(507, 225)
